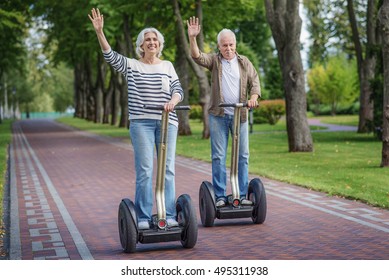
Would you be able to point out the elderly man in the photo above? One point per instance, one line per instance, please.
(234, 80)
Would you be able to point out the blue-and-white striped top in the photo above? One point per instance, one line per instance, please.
(148, 84)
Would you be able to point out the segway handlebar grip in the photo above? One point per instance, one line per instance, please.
(182, 107)
(233, 104)
(161, 108)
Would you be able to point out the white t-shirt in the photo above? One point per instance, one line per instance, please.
(230, 83)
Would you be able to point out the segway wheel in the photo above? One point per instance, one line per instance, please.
(207, 208)
(257, 194)
(127, 227)
(187, 217)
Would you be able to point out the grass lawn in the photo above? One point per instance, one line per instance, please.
(5, 139)
(344, 164)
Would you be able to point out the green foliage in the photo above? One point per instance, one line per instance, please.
(246, 50)
(270, 111)
(329, 27)
(12, 32)
(196, 112)
(335, 83)
(272, 82)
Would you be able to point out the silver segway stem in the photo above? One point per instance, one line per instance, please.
(235, 151)
(161, 163)
(235, 154)
(161, 168)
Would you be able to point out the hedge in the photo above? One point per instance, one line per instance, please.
(269, 111)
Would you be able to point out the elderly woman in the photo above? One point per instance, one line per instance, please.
(151, 81)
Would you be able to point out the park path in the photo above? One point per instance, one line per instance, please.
(330, 127)
(66, 186)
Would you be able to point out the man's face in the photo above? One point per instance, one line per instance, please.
(227, 46)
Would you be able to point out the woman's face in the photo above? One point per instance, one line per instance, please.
(151, 44)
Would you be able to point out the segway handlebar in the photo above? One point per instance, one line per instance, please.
(161, 107)
(233, 104)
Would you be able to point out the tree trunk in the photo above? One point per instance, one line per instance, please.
(122, 88)
(114, 99)
(383, 16)
(202, 78)
(77, 91)
(366, 66)
(129, 48)
(99, 89)
(107, 102)
(285, 24)
(82, 89)
(183, 72)
(182, 67)
(88, 89)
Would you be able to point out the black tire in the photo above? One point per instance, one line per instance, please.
(257, 194)
(206, 205)
(186, 210)
(127, 227)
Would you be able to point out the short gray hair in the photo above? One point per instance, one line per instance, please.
(141, 38)
(225, 31)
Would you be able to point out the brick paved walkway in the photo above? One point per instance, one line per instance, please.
(66, 187)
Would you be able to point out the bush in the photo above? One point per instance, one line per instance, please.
(195, 112)
(325, 110)
(269, 111)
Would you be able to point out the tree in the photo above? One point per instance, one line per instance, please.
(182, 67)
(384, 21)
(285, 24)
(334, 83)
(317, 25)
(272, 80)
(366, 60)
(202, 78)
(14, 19)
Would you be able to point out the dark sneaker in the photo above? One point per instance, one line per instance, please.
(220, 203)
(246, 202)
(142, 225)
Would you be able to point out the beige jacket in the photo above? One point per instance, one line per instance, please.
(249, 81)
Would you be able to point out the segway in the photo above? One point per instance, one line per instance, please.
(233, 208)
(186, 232)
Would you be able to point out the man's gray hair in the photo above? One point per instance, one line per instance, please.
(141, 38)
(225, 31)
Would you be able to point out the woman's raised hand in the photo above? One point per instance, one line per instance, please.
(97, 19)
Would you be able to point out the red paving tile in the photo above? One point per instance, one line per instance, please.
(69, 185)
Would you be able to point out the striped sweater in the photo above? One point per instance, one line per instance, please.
(147, 85)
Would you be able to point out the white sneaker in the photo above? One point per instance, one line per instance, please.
(172, 223)
(220, 203)
(142, 225)
(245, 201)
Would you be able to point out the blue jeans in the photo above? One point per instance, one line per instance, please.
(145, 136)
(220, 128)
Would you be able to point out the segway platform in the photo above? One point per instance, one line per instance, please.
(234, 208)
(186, 231)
